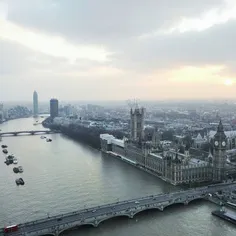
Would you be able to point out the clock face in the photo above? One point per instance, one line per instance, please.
(216, 143)
(223, 143)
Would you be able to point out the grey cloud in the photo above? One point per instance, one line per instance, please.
(116, 24)
(17, 59)
(103, 21)
(213, 46)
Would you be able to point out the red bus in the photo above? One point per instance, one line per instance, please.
(11, 228)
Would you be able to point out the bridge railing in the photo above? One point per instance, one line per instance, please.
(190, 192)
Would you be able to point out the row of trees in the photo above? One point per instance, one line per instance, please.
(89, 136)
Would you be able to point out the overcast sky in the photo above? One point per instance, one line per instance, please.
(117, 49)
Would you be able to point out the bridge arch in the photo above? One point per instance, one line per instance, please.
(174, 204)
(148, 208)
(45, 234)
(195, 199)
(114, 216)
(74, 227)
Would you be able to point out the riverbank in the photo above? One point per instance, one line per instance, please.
(86, 135)
(4, 121)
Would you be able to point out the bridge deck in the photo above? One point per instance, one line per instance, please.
(29, 132)
(56, 224)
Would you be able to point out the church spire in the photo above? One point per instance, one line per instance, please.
(220, 127)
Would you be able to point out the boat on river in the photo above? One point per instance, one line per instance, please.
(15, 161)
(20, 168)
(231, 205)
(15, 170)
(20, 181)
(5, 151)
(226, 215)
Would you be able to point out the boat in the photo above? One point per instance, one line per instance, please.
(15, 160)
(7, 162)
(4, 146)
(20, 181)
(15, 170)
(20, 168)
(5, 151)
(226, 215)
(231, 205)
(49, 140)
(10, 159)
(10, 156)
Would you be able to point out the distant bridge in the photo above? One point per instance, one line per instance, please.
(29, 132)
(94, 216)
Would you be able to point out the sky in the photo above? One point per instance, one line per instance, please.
(117, 50)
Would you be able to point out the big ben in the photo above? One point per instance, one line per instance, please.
(219, 157)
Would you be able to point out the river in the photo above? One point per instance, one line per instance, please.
(64, 176)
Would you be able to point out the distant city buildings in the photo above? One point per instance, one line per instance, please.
(35, 104)
(53, 108)
(175, 163)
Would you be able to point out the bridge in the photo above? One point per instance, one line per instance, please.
(29, 132)
(55, 225)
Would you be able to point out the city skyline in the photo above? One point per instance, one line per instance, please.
(158, 51)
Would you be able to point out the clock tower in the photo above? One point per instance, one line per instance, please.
(219, 154)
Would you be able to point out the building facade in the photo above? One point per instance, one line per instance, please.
(53, 108)
(219, 154)
(169, 164)
(137, 124)
(35, 104)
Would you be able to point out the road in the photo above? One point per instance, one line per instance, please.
(107, 211)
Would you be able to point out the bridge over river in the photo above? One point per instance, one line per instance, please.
(29, 132)
(94, 216)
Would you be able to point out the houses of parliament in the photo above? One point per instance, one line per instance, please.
(166, 161)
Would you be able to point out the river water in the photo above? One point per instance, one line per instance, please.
(64, 176)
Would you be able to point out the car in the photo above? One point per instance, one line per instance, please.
(94, 211)
(136, 202)
(59, 219)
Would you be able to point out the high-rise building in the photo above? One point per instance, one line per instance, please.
(219, 155)
(137, 124)
(1, 113)
(53, 108)
(35, 104)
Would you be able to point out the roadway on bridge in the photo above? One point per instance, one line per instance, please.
(110, 209)
(84, 214)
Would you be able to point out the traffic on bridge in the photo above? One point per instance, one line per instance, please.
(94, 216)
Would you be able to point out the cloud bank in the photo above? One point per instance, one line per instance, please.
(106, 50)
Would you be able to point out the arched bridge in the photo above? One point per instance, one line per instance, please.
(94, 216)
(29, 132)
